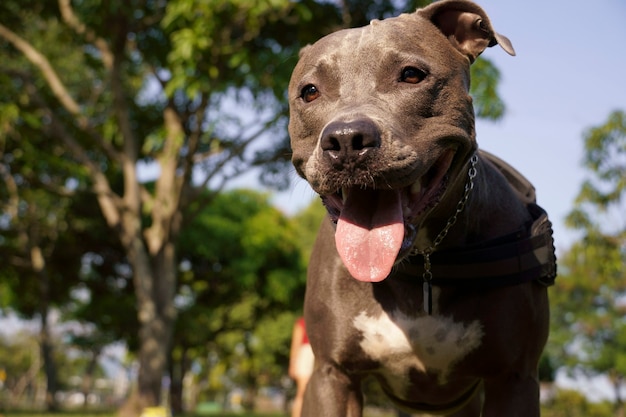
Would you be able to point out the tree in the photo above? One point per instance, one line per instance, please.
(101, 306)
(99, 107)
(242, 280)
(569, 403)
(42, 257)
(113, 86)
(588, 321)
(21, 363)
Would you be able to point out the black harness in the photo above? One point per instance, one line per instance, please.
(526, 255)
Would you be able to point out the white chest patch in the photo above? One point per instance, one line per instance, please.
(426, 343)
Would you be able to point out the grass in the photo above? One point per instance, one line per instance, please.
(112, 414)
(88, 413)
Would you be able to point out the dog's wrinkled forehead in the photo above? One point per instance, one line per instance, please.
(449, 32)
(377, 33)
(407, 32)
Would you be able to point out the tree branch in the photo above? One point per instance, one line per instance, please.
(111, 60)
(202, 199)
(50, 75)
(238, 150)
(193, 144)
(84, 126)
(110, 202)
(65, 7)
(168, 188)
(11, 187)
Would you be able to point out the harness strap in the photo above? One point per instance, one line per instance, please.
(524, 188)
(525, 255)
(507, 260)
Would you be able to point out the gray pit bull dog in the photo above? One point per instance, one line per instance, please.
(431, 272)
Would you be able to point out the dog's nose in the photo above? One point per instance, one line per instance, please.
(350, 142)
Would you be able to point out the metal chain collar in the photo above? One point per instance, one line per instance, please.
(428, 275)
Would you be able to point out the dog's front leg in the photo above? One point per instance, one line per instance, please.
(331, 393)
(512, 396)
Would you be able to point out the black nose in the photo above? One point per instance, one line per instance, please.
(350, 142)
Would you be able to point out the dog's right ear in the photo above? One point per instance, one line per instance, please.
(466, 25)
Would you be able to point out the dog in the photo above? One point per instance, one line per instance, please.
(431, 270)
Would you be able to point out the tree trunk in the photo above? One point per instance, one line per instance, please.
(87, 382)
(251, 391)
(47, 352)
(155, 285)
(178, 369)
(618, 409)
(152, 359)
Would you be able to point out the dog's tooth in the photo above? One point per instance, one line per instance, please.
(416, 187)
(344, 193)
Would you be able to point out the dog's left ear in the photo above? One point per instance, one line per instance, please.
(466, 25)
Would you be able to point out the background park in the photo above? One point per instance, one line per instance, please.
(154, 238)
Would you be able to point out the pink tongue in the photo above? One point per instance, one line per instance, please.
(369, 233)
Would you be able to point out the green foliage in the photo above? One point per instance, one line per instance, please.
(17, 356)
(606, 147)
(589, 308)
(588, 326)
(307, 223)
(568, 403)
(242, 283)
(36, 207)
(484, 90)
(21, 363)
(605, 158)
(237, 241)
(221, 56)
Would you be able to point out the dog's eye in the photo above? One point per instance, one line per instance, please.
(412, 75)
(309, 93)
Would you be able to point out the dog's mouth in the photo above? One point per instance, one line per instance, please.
(375, 227)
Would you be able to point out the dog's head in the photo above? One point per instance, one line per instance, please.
(381, 121)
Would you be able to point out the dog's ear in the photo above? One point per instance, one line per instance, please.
(466, 25)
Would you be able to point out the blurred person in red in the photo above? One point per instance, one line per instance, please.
(300, 363)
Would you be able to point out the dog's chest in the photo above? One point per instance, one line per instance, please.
(401, 343)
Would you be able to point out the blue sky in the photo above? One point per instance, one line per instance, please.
(568, 75)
